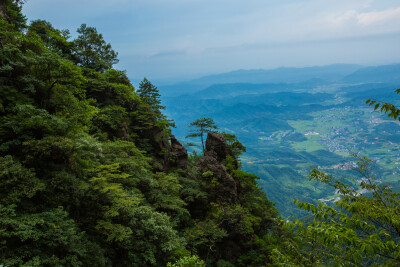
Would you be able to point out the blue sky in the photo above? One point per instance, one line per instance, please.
(171, 39)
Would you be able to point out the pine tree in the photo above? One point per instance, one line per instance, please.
(92, 51)
(150, 95)
(202, 126)
(11, 11)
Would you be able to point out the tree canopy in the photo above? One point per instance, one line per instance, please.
(150, 95)
(202, 126)
(92, 51)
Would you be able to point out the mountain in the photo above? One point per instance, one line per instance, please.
(312, 75)
(91, 175)
(248, 90)
(283, 74)
(375, 74)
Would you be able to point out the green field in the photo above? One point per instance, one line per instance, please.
(337, 131)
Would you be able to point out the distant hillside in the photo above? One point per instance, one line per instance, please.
(356, 89)
(387, 73)
(383, 92)
(235, 89)
(314, 75)
(279, 75)
(223, 91)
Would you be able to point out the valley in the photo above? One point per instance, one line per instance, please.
(290, 128)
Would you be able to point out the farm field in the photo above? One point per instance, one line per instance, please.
(326, 142)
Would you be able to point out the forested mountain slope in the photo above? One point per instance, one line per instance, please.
(90, 174)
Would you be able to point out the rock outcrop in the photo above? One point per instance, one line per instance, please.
(216, 152)
(160, 146)
(216, 146)
(180, 153)
(170, 153)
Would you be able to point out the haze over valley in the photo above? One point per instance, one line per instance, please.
(292, 119)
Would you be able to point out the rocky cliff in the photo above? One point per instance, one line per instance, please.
(216, 152)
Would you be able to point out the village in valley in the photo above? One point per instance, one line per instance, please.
(331, 133)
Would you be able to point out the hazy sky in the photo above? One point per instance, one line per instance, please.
(172, 38)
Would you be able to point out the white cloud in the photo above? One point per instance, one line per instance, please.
(370, 18)
(347, 16)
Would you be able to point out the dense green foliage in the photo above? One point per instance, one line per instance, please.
(92, 51)
(87, 174)
(11, 11)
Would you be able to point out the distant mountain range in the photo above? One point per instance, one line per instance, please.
(285, 79)
(386, 73)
